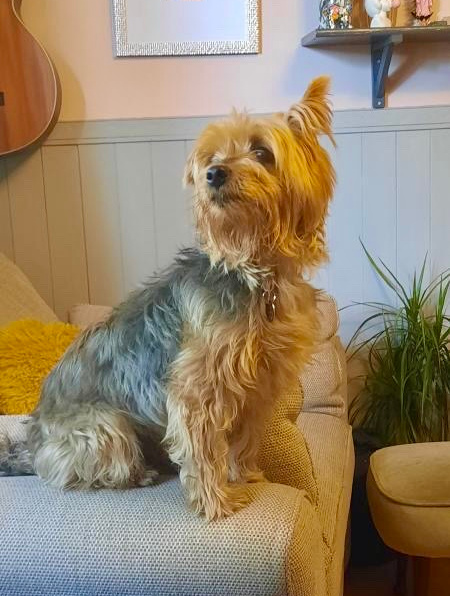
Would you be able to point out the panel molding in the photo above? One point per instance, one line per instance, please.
(178, 129)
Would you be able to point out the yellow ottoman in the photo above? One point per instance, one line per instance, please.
(408, 488)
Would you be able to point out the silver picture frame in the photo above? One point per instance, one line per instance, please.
(142, 27)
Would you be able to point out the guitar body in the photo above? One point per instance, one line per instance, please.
(29, 90)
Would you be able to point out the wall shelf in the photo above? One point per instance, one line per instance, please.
(381, 42)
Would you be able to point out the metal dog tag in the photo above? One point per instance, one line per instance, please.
(270, 299)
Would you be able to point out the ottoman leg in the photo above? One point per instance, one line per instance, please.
(401, 578)
(431, 577)
(422, 574)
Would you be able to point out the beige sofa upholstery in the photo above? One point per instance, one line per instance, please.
(18, 298)
(147, 542)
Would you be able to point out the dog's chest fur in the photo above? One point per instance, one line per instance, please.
(225, 317)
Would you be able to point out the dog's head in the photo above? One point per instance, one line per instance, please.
(262, 186)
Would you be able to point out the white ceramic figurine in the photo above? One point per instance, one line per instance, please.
(378, 9)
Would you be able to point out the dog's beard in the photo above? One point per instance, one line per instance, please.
(220, 198)
(229, 228)
(238, 230)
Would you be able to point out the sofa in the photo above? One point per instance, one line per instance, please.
(146, 541)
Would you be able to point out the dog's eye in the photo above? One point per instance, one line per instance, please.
(263, 155)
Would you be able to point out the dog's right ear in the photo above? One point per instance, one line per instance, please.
(313, 114)
(188, 177)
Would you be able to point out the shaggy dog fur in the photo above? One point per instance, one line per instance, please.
(195, 359)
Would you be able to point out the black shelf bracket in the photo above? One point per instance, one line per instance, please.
(382, 50)
(381, 41)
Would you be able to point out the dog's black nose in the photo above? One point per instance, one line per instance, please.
(216, 176)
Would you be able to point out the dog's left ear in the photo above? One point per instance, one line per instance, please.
(188, 176)
(313, 114)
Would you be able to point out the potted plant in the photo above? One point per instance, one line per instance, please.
(404, 395)
(404, 398)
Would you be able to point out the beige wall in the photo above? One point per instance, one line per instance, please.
(77, 34)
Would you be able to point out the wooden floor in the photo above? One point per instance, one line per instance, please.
(370, 581)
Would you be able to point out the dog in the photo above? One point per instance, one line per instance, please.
(194, 359)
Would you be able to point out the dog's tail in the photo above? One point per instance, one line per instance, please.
(15, 458)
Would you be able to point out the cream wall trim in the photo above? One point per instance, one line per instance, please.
(174, 129)
(100, 206)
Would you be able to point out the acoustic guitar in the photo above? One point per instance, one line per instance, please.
(29, 88)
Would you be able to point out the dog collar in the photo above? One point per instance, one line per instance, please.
(270, 297)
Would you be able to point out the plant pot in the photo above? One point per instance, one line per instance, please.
(367, 548)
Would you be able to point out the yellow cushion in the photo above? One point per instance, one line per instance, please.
(28, 351)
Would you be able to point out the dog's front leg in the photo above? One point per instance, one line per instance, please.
(196, 438)
(244, 446)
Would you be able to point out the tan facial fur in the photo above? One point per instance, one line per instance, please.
(279, 183)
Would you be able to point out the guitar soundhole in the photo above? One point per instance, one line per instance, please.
(2, 98)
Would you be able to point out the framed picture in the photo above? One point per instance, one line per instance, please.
(185, 27)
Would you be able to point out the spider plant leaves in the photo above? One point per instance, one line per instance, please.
(388, 277)
(405, 394)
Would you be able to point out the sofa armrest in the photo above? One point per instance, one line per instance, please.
(330, 443)
(146, 541)
(13, 427)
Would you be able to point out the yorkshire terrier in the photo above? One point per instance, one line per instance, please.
(196, 358)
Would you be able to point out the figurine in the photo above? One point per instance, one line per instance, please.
(422, 12)
(336, 14)
(378, 9)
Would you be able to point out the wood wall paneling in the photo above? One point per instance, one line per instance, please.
(345, 222)
(101, 209)
(413, 202)
(61, 170)
(137, 212)
(378, 229)
(440, 201)
(6, 236)
(172, 204)
(29, 220)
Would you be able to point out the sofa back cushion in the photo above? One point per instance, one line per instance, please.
(283, 456)
(18, 298)
(324, 380)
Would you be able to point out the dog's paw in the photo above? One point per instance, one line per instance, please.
(148, 478)
(232, 498)
(242, 475)
(254, 476)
